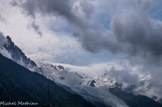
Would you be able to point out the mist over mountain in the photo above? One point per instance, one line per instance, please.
(85, 84)
(109, 52)
(20, 84)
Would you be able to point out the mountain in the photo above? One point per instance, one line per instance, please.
(16, 54)
(13, 52)
(19, 84)
(86, 86)
(160, 101)
(95, 87)
(134, 100)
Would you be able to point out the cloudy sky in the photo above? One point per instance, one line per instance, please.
(52, 33)
(85, 32)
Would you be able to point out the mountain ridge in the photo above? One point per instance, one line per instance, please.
(19, 84)
(62, 77)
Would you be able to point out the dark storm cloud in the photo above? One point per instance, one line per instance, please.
(61, 8)
(138, 33)
(132, 30)
(88, 34)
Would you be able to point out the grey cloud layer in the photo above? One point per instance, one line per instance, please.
(137, 32)
(132, 32)
(65, 8)
(61, 8)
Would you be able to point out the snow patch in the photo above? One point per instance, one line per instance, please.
(5, 53)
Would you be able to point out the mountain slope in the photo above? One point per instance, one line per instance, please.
(18, 56)
(16, 52)
(134, 100)
(13, 52)
(19, 84)
(91, 85)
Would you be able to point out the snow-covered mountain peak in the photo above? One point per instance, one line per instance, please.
(13, 52)
(91, 82)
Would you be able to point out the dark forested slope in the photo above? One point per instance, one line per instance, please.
(19, 84)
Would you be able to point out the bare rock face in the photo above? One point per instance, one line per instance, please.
(16, 53)
(92, 83)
